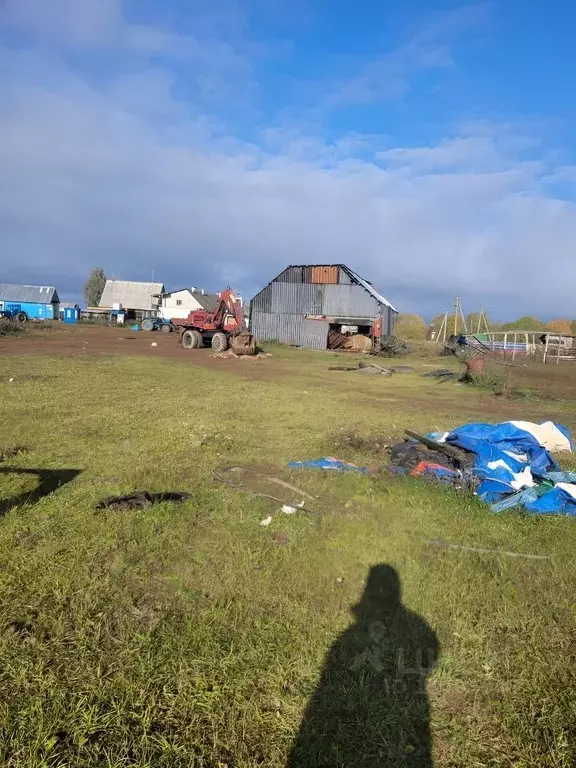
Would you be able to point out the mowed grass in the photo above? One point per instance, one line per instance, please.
(190, 635)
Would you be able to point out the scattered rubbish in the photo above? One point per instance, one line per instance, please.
(135, 327)
(289, 510)
(154, 344)
(257, 483)
(372, 368)
(511, 463)
(356, 342)
(449, 545)
(339, 580)
(11, 379)
(231, 353)
(266, 521)
(392, 347)
(141, 500)
(430, 461)
(444, 374)
(328, 462)
(362, 367)
(454, 453)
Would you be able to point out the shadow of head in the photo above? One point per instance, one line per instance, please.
(381, 595)
(48, 481)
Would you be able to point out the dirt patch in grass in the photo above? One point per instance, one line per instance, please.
(374, 445)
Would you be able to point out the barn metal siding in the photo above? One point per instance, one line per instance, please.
(343, 277)
(262, 302)
(349, 301)
(290, 329)
(297, 298)
(291, 275)
(388, 317)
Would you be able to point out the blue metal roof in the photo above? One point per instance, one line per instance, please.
(33, 294)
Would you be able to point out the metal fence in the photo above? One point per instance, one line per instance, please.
(547, 347)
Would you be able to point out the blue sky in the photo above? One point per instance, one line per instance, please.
(428, 145)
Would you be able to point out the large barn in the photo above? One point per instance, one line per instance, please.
(312, 305)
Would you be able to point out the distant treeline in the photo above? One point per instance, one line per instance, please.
(414, 327)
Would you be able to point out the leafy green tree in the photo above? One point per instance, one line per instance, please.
(94, 287)
(525, 323)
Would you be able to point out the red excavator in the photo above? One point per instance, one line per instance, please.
(222, 328)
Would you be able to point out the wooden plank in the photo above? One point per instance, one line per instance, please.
(449, 450)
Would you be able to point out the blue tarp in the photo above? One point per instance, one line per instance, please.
(328, 462)
(511, 463)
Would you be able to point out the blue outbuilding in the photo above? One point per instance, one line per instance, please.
(38, 302)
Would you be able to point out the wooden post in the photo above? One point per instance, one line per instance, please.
(514, 347)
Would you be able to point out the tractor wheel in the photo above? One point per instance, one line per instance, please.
(219, 342)
(199, 339)
(20, 317)
(189, 340)
(166, 328)
(147, 325)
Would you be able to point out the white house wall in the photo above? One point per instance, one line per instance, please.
(171, 310)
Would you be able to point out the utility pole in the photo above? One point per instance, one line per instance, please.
(456, 309)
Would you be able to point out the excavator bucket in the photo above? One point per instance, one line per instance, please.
(243, 344)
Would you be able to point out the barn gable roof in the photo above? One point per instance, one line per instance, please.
(354, 277)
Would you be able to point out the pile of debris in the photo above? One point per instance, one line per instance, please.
(507, 465)
(372, 368)
(356, 342)
(231, 353)
(393, 347)
(362, 367)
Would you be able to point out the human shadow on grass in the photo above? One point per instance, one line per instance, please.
(49, 480)
(370, 709)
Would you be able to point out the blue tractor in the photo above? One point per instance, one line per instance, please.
(16, 316)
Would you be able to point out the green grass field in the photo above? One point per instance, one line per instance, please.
(191, 635)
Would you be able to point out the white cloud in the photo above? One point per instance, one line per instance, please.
(128, 176)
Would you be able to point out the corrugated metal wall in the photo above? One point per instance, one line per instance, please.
(290, 329)
(297, 298)
(262, 302)
(310, 299)
(348, 301)
(388, 316)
